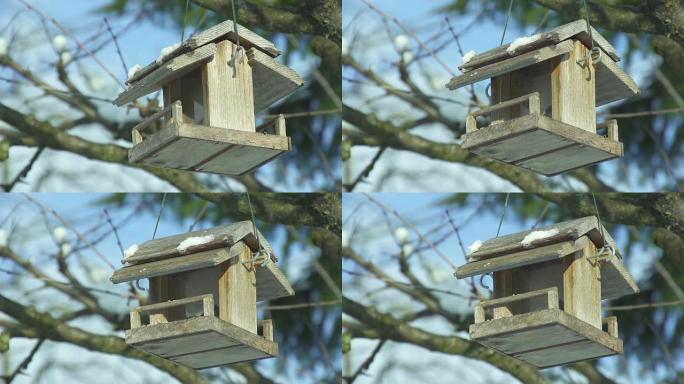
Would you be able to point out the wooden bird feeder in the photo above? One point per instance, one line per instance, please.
(212, 91)
(546, 91)
(204, 287)
(548, 287)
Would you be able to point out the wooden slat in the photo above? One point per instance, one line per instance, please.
(512, 64)
(549, 333)
(201, 342)
(613, 83)
(224, 236)
(228, 90)
(272, 283)
(576, 29)
(566, 230)
(519, 258)
(237, 292)
(573, 90)
(582, 286)
(176, 303)
(611, 325)
(272, 80)
(248, 39)
(169, 71)
(503, 302)
(238, 160)
(568, 158)
(266, 329)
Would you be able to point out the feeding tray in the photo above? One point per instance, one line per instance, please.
(201, 342)
(540, 143)
(545, 338)
(213, 86)
(548, 287)
(194, 147)
(545, 92)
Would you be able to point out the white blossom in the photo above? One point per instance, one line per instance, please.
(65, 57)
(3, 238)
(60, 43)
(402, 235)
(407, 249)
(401, 42)
(407, 56)
(3, 46)
(65, 248)
(60, 234)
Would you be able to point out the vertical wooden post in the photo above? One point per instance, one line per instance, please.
(574, 89)
(582, 286)
(237, 292)
(228, 90)
(266, 327)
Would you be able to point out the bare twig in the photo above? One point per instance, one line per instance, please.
(24, 172)
(116, 43)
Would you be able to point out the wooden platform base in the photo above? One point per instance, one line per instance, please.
(201, 342)
(193, 147)
(541, 144)
(546, 338)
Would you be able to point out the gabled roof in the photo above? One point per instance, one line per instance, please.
(271, 80)
(612, 83)
(166, 256)
(551, 243)
(248, 39)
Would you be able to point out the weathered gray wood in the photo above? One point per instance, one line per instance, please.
(266, 329)
(248, 39)
(551, 332)
(520, 257)
(551, 294)
(168, 266)
(503, 142)
(224, 236)
(582, 286)
(612, 83)
(157, 311)
(272, 283)
(272, 80)
(166, 115)
(533, 106)
(507, 252)
(201, 342)
(237, 292)
(169, 71)
(573, 89)
(611, 129)
(228, 90)
(611, 325)
(512, 64)
(239, 160)
(566, 354)
(577, 29)
(209, 149)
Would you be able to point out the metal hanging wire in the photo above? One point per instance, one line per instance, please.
(239, 52)
(606, 252)
(185, 19)
(508, 16)
(503, 214)
(594, 54)
(263, 256)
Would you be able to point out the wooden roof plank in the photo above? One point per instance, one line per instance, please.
(272, 80)
(248, 39)
(514, 63)
(169, 71)
(223, 236)
(576, 29)
(613, 83)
